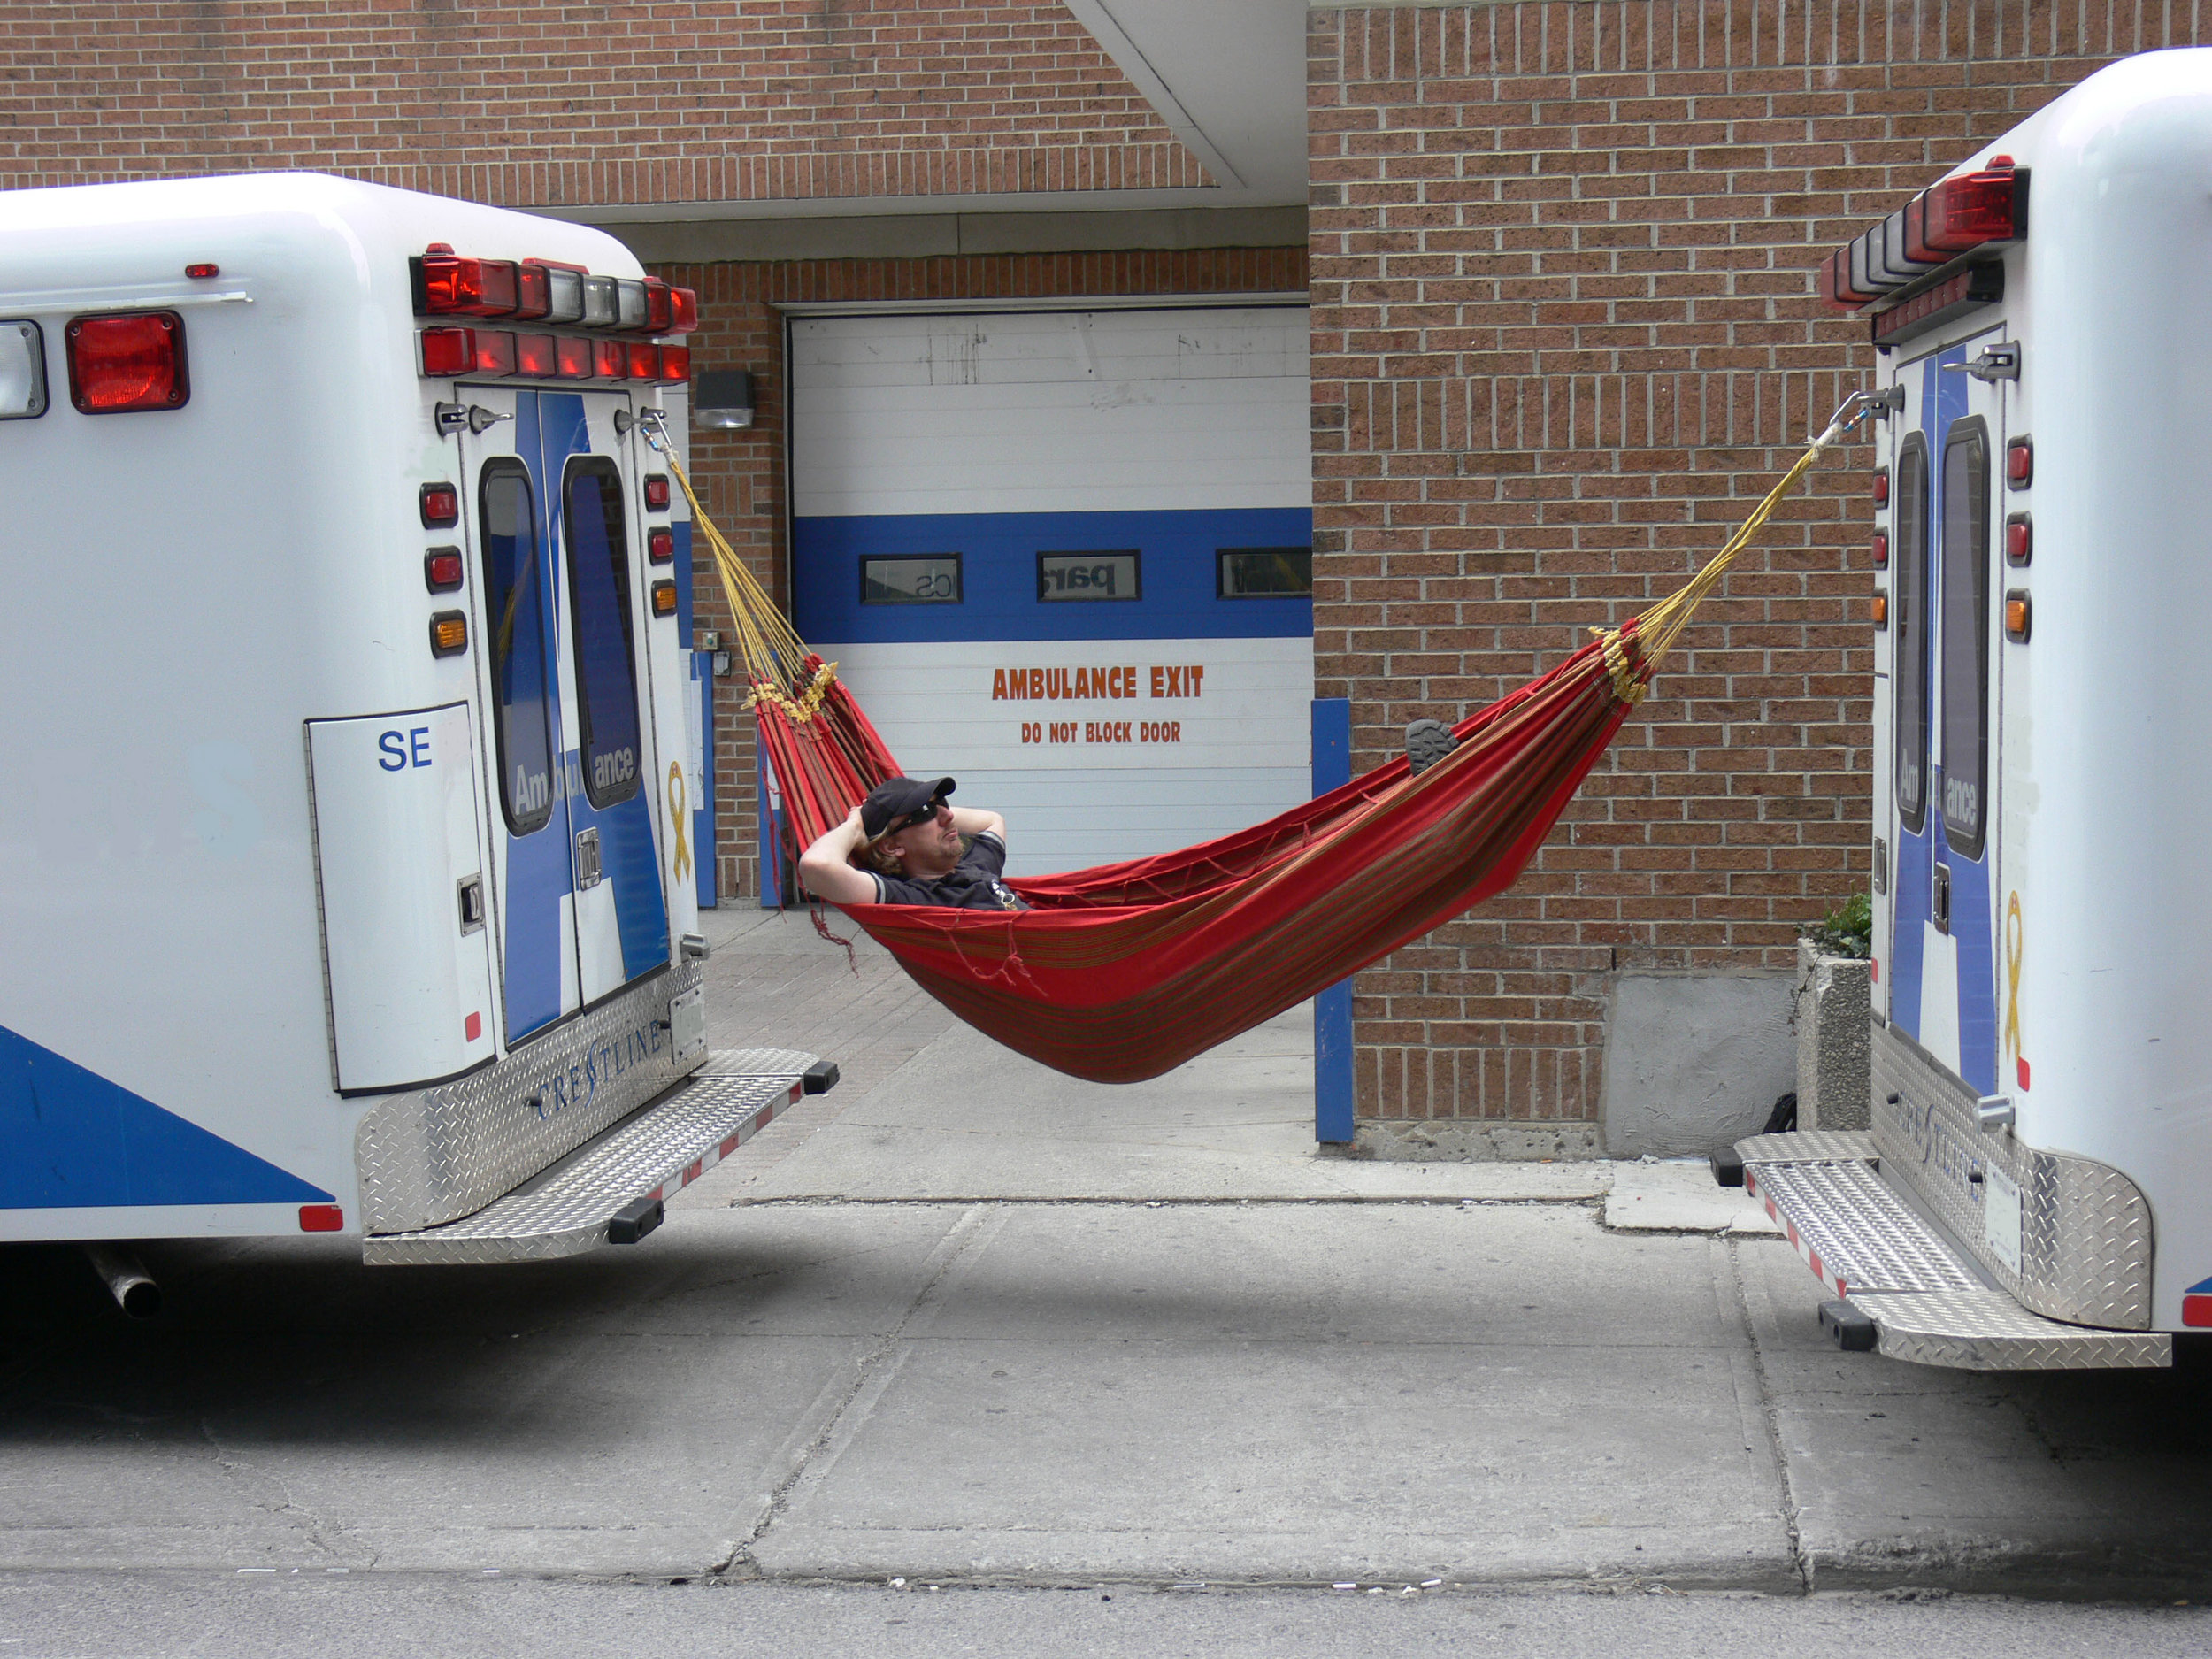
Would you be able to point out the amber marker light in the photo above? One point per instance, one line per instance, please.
(449, 633)
(2019, 616)
(1881, 609)
(663, 599)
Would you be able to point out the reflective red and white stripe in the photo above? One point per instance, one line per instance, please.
(730, 1143)
(1821, 1271)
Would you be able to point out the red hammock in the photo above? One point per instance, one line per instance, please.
(1123, 972)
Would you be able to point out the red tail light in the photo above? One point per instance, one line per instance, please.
(660, 544)
(533, 291)
(683, 310)
(675, 363)
(645, 361)
(533, 356)
(2019, 539)
(122, 362)
(609, 360)
(659, 307)
(656, 492)
(2019, 463)
(1964, 212)
(322, 1219)
(1881, 551)
(441, 569)
(448, 287)
(441, 506)
(1881, 487)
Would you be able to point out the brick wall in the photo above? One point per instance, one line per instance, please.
(555, 104)
(741, 474)
(1563, 338)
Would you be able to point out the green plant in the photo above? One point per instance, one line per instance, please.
(1847, 930)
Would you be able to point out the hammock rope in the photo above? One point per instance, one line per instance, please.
(1121, 972)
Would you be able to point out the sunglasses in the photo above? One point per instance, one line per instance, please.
(920, 816)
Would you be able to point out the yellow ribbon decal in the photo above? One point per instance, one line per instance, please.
(2015, 947)
(680, 866)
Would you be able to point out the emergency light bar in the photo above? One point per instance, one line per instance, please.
(1956, 217)
(446, 284)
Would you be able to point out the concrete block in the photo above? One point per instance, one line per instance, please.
(1694, 1061)
(1834, 1047)
(1681, 1196)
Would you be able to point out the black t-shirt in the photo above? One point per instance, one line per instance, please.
(972, 884)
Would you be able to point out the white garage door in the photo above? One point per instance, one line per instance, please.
(1065, 556)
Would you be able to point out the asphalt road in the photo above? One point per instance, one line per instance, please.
(1066, 1353)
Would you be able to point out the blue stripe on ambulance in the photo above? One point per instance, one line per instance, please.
(69, 1139)
(1910, 890)
(628, 859)
(538, 868)
(999, 575)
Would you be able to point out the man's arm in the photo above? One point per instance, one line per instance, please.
(970, 822)
(826, 868)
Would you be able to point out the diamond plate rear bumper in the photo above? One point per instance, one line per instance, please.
(1929, 1303)
(657, 1150)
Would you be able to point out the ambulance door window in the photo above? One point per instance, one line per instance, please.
(1965, 633)
(1909, 680)
(522, 729)
(606, 661)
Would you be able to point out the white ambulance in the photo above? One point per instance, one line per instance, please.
(347, 861)
(2029, 1189)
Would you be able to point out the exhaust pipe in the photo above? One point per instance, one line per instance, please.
(126, 1280)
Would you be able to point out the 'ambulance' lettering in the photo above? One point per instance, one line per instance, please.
(1024, 685)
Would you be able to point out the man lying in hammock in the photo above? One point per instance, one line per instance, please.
(911, 846)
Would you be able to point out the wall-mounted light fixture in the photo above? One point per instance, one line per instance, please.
(723, 400)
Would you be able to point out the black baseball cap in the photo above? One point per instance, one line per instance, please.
(899, 798)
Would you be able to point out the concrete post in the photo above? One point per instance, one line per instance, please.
(1834, 1086)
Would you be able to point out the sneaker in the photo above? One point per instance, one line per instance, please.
(1427, 742)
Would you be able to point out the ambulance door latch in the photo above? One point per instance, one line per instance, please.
(588, 867)
(2000, 362)
(1995, 1111)
(451, 417)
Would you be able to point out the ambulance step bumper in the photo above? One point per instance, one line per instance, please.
(1929, 1304)
(611, 1189)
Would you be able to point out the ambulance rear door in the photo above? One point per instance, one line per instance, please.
(532, 876)
(1942, 914)
(618, 908)
(578, 897)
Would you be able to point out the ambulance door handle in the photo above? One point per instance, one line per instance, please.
(1996, 363)
(452, 416)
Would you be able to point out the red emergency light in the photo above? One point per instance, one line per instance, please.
(683, 310)
(446, 286)
(533, 291)
(571, 358)
(659, 307)
(1961, 214)
(675, 365)
(535, 356)
(127, 361)
(610, 360)
(645, 361)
